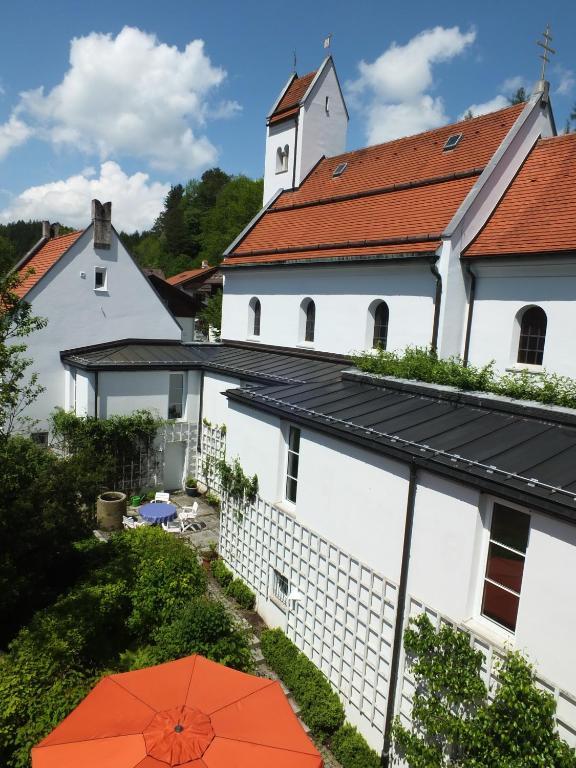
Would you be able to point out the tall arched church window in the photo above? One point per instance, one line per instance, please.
(381, 316)
(533, 322)
(310, 321)
(255, 314)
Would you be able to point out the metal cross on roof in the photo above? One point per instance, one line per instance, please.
(546, 46)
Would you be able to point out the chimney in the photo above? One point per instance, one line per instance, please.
(102, 221)
(55, 229)
(205, 265)
(46, 230)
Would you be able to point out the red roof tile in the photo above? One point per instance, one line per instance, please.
(537, 214)
(43, 260)
(405, 189)
(292, 98)
(190, 274)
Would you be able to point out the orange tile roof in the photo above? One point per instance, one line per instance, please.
(537, 214)
(43, 260)
(287, 106)
(399, 194)
(190, 274)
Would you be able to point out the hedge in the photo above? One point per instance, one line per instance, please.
(320, 707)
(222, 575)
(351, 749)
(242, 594)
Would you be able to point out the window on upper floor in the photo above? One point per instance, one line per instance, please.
(40, 438)
(381, 316)
(292, 464)
(509, 533)
(100, 279)
(308, 320)
(254, 314)
(282, 154)
(533, 322)
(176, 396)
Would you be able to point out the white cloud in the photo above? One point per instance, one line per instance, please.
(136, 201)
(512, 84)
(566, 80)
(132, 95)
(392, 90)
(498, 102)
(13, 133)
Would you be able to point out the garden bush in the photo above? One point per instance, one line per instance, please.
(242, 594)
(320, 707)
(351, 750)
(422, 364)
(222, 575)
(204, 626)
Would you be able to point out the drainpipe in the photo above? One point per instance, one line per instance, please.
(437, 303)
(400, 611)
(95, 394)
(200, 407)
(470, 312)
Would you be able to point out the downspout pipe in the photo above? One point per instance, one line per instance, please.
(96, 394)
(437, 304)
(200, 408)
(470, 313)
(295, 151)
(400, 612)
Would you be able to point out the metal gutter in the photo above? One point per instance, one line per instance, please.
(400, 612)
(352, 260)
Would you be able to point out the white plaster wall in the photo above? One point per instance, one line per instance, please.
(187, 324)
(122, 392)
(355, 498)
(84, 395)
(503, 290)
(547, 615)
(446, 538)
(214, 403)
(321, 132)
(278, 135)
(475, 210)
(79, 316)
(342, 295)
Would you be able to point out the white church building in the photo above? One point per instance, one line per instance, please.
(378, 498)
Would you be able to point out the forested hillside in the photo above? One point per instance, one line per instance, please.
(197, 223)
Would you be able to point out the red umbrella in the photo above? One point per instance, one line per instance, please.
(191, 713)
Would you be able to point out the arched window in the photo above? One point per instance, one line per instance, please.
(307, 320)
(380, 335)
(255, 312)
(282, 159)
(533, 324)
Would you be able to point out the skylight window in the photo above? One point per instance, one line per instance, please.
(452, 141)
(339, 170)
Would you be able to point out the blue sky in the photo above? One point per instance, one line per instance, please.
(142, 106)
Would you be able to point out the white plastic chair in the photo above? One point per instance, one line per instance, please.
(161, 497)
(188, 513)
(128, 522)
(173, 526)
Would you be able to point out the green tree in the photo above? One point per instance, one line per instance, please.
(7, 255)
(17, 391)
(211, 315)
(519, 96)
(454, 722)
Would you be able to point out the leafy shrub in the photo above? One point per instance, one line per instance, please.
(222, 575)
(212, 499)
(423, 364)
(205, 627)
(351, 749)
(242, 594)
(320, 707)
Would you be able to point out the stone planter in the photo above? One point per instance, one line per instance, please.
(191, 490)
(110, 506)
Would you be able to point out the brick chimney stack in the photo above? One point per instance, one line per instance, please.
(102, 221)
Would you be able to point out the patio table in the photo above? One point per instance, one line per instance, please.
(160, 512)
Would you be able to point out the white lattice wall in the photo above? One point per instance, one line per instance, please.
(565, 702)
(213, 449)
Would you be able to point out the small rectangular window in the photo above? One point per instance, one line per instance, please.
(292, 464)
(509, 534)
(339, 170)
(40, 438)
(100, 278)
(176, 396)
(280, 587)
(452, 141)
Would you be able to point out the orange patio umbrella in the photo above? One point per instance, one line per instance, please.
(191, 713)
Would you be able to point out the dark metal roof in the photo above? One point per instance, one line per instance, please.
(247, 363)
(511, 452)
